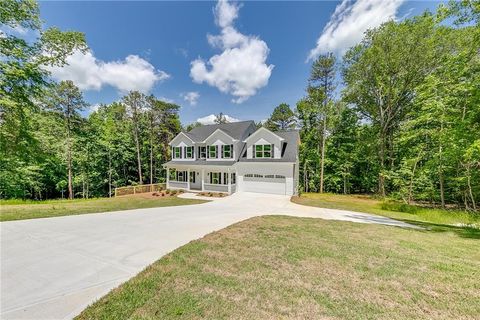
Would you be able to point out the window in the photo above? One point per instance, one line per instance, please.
(179, 176)
(234, 178)
(227, 151)
(182, 176)
(215, 178)
(212, 151)
(202, 152)
(253, 175)
(278, 176)
(177, 152)
(189, 152)
(192, 176)
(263, 151)
(225, 178)
(269, 176)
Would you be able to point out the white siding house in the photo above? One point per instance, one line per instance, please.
(234, 157)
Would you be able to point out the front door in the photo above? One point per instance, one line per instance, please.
(195, 180)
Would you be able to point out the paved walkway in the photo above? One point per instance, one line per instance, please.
(53, 268)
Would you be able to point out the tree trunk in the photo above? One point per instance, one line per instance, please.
(139, 161)
(151, 159)
(474, 205)
(322, 160)
(410, 187)
(69, 163)
(109, 174)
(381, 177)
(440, 168)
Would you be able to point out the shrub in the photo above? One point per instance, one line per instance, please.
(167, 191)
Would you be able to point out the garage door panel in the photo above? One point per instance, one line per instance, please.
(263, 185)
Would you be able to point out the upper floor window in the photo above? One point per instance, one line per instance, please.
(213, 151)
(202, 152)
(263, 151)
(189, 152)
(177, 152)
(227, 151)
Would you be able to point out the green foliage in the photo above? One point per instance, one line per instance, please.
(282, 118)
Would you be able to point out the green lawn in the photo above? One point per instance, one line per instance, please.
(18, 210)
(277, 267)
(432, 218)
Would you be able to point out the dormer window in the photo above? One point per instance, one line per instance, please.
(227, 151)
(263, 151)
(189, 152)
(213, 151)
(177, 152)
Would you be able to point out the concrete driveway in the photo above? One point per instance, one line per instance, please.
(53, 268)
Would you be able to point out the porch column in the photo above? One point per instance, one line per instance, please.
(168, 178)
(203, 178)
(229, 181)
(188, 178)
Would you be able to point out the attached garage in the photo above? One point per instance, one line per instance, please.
(274, 184)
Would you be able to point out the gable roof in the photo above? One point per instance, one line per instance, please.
(236, 130)
(274, 133)
(289, 148)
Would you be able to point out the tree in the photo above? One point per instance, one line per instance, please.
(67, 101)
(282, 118)
(220, 118)
(381, 74)
(322, 78)
(136, 103)
(23, 81)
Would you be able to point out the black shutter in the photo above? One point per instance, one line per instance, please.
(253, 151)
(273, 148)
(231, 151)
(207, 149)
(216, 151)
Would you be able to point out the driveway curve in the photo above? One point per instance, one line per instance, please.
(53, 268)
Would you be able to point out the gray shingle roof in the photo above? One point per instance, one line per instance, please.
(237, 130)
(289, 151)
(201, 162)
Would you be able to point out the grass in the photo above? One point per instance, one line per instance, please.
(277, 267)
(437, 219)
(19, 210)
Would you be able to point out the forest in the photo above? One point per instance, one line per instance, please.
(398, 115)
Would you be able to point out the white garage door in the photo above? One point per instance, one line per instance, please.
(274, 184)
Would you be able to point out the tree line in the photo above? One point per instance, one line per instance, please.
(406, 120)
(397, 115)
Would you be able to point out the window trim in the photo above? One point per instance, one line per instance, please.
(259, 151)
(211, 150)
(230, 147)
(192, 151)
(218, 175)
(174, 154)
(202, 152)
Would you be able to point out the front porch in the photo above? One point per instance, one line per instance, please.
(202, 178)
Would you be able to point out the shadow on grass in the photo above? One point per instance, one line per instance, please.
(464, 232)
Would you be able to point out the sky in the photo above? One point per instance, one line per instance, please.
(239, 58)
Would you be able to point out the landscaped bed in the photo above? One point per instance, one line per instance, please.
(213, 194)
(283, 267)
(19, 210)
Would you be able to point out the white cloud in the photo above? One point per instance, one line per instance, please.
(165, 99)
(90, 73)
(192, 97)
(94, 107)
(241, 69)
(210, 119)
(349, 22)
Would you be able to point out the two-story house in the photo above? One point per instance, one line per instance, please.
(234, 157)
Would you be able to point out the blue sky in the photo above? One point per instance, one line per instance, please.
(260, 50)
